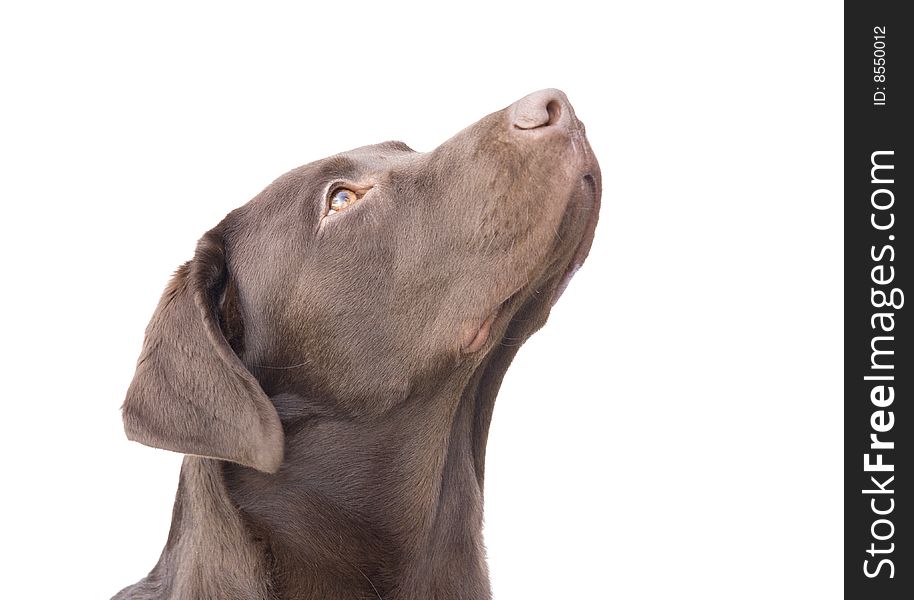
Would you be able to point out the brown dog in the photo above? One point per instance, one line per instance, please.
(330, 357)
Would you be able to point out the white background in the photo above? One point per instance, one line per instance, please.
(674, 431)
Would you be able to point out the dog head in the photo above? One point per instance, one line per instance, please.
(365, 278)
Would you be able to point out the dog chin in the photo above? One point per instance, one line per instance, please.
(587, 198)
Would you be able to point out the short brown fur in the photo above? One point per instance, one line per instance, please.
(316, 369)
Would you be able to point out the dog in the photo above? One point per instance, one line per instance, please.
(328, 361)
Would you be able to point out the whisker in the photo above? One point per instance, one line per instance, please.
(281, 368)
(377, 593)
(515, 345)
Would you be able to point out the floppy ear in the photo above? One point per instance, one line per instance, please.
(191, 393)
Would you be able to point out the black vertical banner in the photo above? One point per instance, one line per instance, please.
(878, 369)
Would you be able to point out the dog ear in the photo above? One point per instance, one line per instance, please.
(191, 393)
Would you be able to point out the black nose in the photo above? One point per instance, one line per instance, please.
(545, 108)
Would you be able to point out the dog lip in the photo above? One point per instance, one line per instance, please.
(588, 186)
(482, 333)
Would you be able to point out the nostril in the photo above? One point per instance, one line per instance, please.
(554, 110)
(541, 109)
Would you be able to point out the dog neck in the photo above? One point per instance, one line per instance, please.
(375, 509)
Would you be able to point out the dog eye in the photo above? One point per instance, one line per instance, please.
(340, 199)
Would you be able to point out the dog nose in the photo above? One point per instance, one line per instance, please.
(545, 108)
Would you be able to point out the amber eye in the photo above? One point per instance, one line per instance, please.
(340, 199)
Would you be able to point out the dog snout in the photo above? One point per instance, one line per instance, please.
(542, 110)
